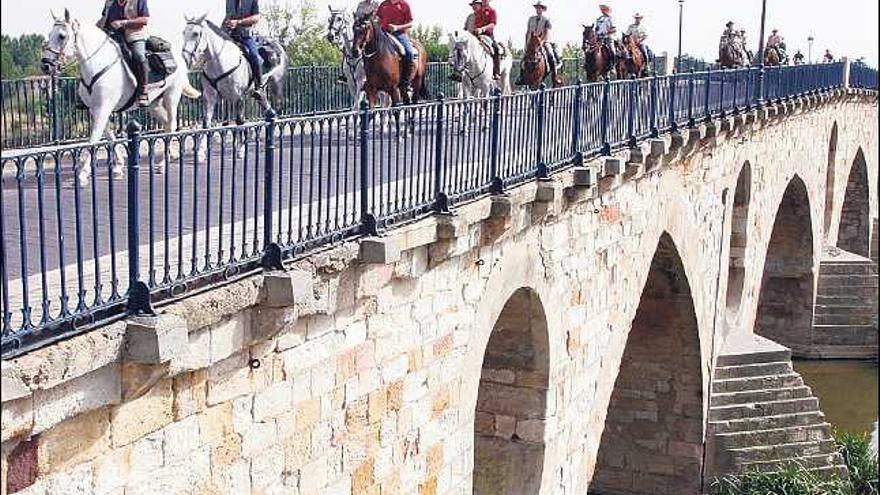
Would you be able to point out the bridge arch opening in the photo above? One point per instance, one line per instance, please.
(652, 441)
(739, 236)
(785, 305)
(511, 407)
(854, 232)
(829, 181)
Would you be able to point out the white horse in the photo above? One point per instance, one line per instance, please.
(106, 83)
(226, 73)
(340, 32)
(472, 63)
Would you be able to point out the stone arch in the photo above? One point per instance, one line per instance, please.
(512, 400)
(652, 441)
(829, 181)
(739, 234)
(785, 303)
(854, 231)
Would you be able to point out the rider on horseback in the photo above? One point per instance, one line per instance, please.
(539, 25)
(241, 16)
(396, 18)
(485, 19)
(775, 42)
(637, 32)
(798, 58)
(364, 9)
(470, 22)
(126, 20)
(605, 30)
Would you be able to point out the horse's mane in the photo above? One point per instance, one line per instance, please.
(218, 30)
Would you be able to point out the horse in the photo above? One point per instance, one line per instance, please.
(338, 29)
(226, 72)
(107, 85)
(636, 64)
(597, 57)
(382, 63)
(534, 64)
(772, 57)
(729, 57)
(472, 63)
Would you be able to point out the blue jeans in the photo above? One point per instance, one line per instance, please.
(251, 51)
(409, 52)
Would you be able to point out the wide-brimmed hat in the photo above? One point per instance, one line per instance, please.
(476, 2)
(540, 4)
(604, 7)
(638, 16)
(775, 30)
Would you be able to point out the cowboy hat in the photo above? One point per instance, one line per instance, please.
(475, 2)
(638, 16)
(604, 7)
(540, 4)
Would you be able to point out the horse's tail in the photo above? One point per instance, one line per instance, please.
(189, 91)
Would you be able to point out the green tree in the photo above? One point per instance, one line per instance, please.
(434, 41)
(20, 55)
(302, 32)
(571, 50)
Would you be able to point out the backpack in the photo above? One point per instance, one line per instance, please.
(157, 44)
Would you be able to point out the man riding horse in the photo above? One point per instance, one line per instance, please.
(485, 19)
(396, 19)
(241, 17)
(470, 22)
(605, 30)
(540, 26)
(126, 21)
(775, 42)
(637, 32)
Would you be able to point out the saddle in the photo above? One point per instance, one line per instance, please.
(159, 58)
(268, 51)
(486, 42)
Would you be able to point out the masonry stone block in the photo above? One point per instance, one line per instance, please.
(502, 206)
(380, 250)
(612, 165)
(94, 390)
(286, 289)
(12, 387)
(584, 177)
(135, 419)
(547, 191)
(155, 339)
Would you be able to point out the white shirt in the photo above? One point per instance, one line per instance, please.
(638, 32)
(604, 26)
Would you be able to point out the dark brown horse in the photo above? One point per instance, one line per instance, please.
(636, 64)
(729, 57)
(534, 65)
(382, 63)
(597, 57)
(772, 57)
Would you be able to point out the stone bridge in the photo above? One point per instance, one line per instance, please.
(575, 334)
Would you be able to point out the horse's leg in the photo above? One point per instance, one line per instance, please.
(239, 116)
(100, 120)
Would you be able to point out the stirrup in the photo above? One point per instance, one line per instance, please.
(143, 101)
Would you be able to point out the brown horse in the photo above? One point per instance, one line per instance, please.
(597, 57)
(729, 57)
(534, 64)
(634, 66)
(772, 57)
(382, 63)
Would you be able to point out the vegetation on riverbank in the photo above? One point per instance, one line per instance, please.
(794, 479)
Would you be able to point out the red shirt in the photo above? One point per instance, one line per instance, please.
(394, 13)
(484, 17)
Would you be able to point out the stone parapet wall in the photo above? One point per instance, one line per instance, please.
(359, 370)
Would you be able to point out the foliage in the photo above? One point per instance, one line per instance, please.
(21, 55)
(571, 50)
(861, 462)
(433, 40)
(302, 32)
(794, 479)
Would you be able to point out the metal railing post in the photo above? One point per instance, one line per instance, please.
(691, 93)
(721, 104)
(577, 154)
(441, 199)
(53, 108)
(673, 90)
(541, 171)
(138, 292)
(369, 225)
(631, 113)
(271, 250)
(707, 109)
(603, 129)
(655, 132)
(497, 184)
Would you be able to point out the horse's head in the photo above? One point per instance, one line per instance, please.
(364, 33)
(459, 52)
(589, 38)
(194, 39)
(60, 43)
(337, 25)
(533, 49)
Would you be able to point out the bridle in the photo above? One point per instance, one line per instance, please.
(362, 26)
(338, 30)
(463, 71)
(214, 82)
(60, 56)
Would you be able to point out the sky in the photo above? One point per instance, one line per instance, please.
(847, 27)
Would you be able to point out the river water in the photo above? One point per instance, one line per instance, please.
(847, 391)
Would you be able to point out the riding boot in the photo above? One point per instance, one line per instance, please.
(257, 71)
(342, 79)
(496, 66)
(554, 70)
(140, 76)
(406, 72)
